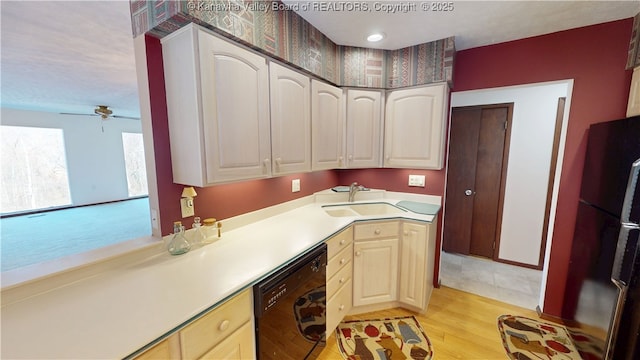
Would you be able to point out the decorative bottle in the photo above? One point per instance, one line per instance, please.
(199, 236)
(210, 230)
(179, 243)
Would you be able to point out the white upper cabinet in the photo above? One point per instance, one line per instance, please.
(218, 107)
(633, 106)
(327, 126)
(415, 125)
(364, 128)
(290, 120)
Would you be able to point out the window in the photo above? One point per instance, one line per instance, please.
(134, 163)
(33, 169)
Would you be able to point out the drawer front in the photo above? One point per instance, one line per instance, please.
(340, 278)
(338, 307)
(340, 260)
(205, 333)
(376, 230)
(339, 242)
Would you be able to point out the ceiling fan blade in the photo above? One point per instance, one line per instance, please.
(65, 113)
(124, 117)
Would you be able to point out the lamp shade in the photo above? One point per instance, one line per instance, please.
(189, 192)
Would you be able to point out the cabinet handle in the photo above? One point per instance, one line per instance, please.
(278, 161)
(341, 280)
(350, 157)
(341, 307)
(342, 261)
(224, 325)
(266, 162)
(377, 231)
(358, 253)
(342, 241)
(340, 160)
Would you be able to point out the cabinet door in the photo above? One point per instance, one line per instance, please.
(237, 346)
(375, 271)
(633, 107)
(235, 111)
(290, 120)
(328, 127)
(364, 128)
(415, 127)
(413, 265)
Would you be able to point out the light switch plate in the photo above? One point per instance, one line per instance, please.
(186, 206)
(295, 185)
(416, 180)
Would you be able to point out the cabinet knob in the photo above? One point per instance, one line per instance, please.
(342, 241)
(358, 253)
(278, 161)
(341, 307)
(342, 261)
(341, 280)
(406, 233)
(350, 157)
(224, 325)
(266, 162)
(377, 231)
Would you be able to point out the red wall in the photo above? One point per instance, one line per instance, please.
(595, 58)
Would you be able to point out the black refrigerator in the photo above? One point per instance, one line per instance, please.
(603, 287)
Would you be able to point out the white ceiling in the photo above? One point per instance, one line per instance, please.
(84, 56)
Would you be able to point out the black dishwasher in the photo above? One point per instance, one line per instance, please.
(290, 309)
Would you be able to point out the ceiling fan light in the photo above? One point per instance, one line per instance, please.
(375, 37)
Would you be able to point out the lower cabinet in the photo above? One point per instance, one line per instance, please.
(339, 274)
(238, 345)
(226, 332)
(375, 271)
(417, 252)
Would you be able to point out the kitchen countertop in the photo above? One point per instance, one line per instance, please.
(117, 311)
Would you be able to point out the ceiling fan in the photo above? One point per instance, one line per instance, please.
(104, 112)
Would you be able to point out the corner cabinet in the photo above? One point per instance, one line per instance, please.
(290, 120)
(327, 126)
(415, 125)
(218, 108)
(364, 128)
(375, 262)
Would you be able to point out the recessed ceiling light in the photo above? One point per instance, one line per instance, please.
(375, 37)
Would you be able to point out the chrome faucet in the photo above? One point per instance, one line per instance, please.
(353, 189)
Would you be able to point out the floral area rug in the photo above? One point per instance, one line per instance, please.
(383, 339)
(525, 339)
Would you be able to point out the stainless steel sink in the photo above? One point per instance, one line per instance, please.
(362, 209)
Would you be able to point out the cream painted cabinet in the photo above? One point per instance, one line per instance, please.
(224, 333)
(327, 126)
(417, 252)
(290, 120)
(633, 106)
(218, 108)
(375, 262)
(415, 123)
(339, 274)
(364, 128)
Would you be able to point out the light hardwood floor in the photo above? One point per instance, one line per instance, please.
(460, 325)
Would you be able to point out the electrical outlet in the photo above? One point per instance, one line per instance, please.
(416, 180)
(186, 206)
(154, 219)
(295, 185)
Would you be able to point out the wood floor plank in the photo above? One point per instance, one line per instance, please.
(459, 325)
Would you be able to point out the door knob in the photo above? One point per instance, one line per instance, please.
(468, 192)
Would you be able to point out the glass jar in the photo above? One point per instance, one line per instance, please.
(179, 243)
(210, 230)
(199, 236)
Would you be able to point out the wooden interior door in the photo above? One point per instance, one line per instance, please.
(475, 179)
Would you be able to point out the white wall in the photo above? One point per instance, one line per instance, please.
(532, 132)
(95, 159)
